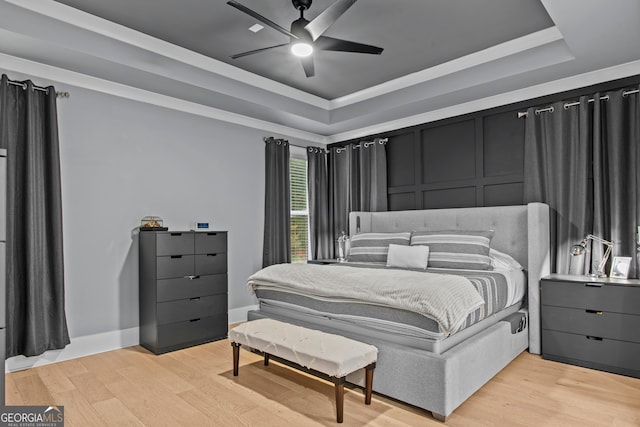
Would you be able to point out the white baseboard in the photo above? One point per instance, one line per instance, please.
(98, 343)
(79, 347)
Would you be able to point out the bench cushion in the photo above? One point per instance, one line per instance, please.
(330, 354)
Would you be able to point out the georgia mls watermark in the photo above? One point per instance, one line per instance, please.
(32, 416)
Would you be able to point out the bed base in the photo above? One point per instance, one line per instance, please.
(435, 382)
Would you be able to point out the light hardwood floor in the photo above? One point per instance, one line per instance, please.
(196, 387)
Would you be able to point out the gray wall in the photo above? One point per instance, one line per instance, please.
(122, 160)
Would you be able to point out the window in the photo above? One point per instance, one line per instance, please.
(299, 209)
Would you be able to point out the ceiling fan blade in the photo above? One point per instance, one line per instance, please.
(338, 45)
(326, 19)
(251, 52)
(307, 64)
(261, 18)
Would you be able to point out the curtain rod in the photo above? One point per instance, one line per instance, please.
(550, 109)
(41, 89)
(267, 138)
(380, 140)
(366, 144)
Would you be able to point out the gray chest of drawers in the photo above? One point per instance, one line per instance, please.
(183, 288)
(593, 323)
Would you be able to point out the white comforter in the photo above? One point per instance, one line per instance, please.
(448, 299)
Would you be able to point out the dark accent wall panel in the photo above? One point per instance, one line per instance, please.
(503, 143)
(503, 194)
(401, 201)
(472, 160)
(448, 152)
(400, 163)
(449, 198)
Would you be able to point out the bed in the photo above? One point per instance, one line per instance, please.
(421, 362)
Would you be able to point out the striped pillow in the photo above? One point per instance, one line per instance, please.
(373, 247)
(467, 250)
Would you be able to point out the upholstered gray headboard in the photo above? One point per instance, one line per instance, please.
(521, 231)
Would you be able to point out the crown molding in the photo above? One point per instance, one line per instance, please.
(71, 78)
(50, 73)
(536, 91)
(493, 53)
(86, 21)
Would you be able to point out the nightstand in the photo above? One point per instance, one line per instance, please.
(592, 322)
(322, 261)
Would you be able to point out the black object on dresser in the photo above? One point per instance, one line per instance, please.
(592, 322)
(183, 288)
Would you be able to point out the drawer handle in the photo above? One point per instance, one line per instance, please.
(589, 337)
(212, 254)
(176, 256)
(175, 234)
(192, 277)
(194, 299)
(598, 312)
(194, 320)
(594, 285)
(212, 234)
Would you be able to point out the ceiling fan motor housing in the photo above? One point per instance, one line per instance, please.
(302, 4)
(297, 28)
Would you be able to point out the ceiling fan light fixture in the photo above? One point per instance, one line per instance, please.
(301, 49)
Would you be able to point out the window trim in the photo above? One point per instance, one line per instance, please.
(299, 153)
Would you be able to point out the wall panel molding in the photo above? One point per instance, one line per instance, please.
(490, 143)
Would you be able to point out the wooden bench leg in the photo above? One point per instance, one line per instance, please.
(339, 382)
(236, 358)
(368, 383)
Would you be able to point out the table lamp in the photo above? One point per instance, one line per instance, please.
(581, 248)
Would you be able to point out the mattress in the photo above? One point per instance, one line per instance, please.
(502, 291)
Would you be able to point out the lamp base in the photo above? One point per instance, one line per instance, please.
(598, 274)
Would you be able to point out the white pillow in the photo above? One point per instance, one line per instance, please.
(502, 261)
(408, 256)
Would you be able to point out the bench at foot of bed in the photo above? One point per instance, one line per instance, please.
(328, 356)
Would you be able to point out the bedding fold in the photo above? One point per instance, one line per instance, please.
(447, 299)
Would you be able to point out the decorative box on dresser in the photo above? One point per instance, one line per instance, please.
(183, 288)
(592, 322)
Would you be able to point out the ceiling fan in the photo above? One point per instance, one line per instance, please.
(306, 36)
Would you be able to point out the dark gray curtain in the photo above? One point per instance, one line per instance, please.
(583, 161)
(35, 270)
(616, 173)
(277, 203)
(371, 188)
(357, 182)
(321, 240)
(342, 167)
(557, 157)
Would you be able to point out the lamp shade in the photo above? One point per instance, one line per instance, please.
(578, 255)
(577, 250)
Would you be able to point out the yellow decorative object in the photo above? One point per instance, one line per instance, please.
(152, 223)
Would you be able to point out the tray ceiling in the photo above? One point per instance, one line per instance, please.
(415, 34)
(442, 57)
